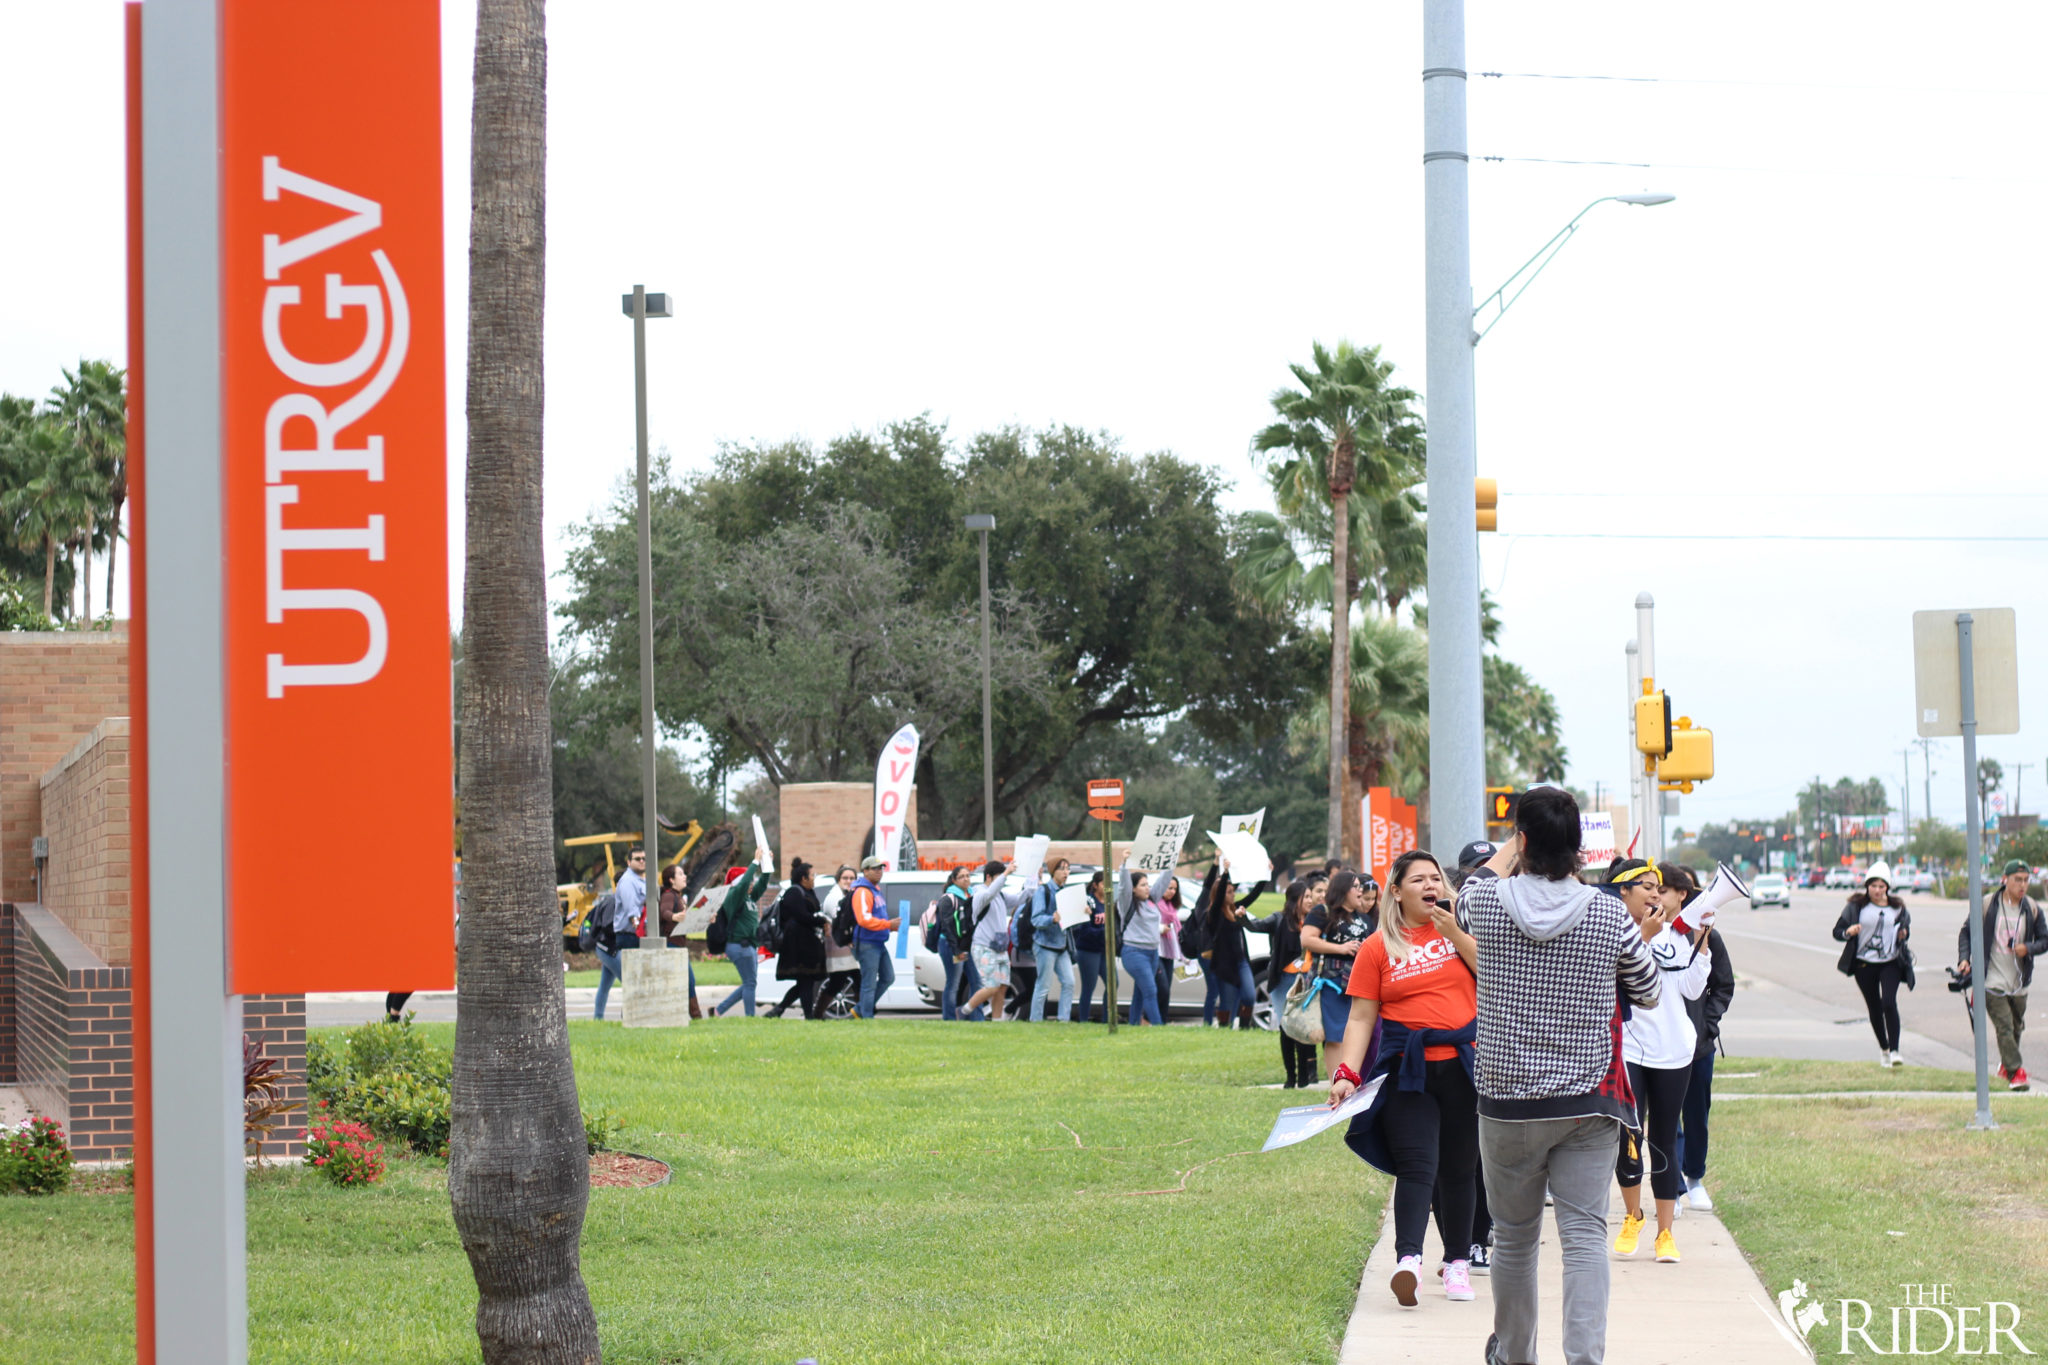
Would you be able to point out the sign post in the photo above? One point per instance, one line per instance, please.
(1965, 682)
(1106, 804)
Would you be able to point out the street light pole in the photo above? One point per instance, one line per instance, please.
(640, 306)
(983, 523)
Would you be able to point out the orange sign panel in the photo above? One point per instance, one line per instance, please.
(335, 471)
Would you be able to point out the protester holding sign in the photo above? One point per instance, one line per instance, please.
(1089, 947)
(1049, 946)
(1228, 954)
(1138, 940)
(1333, 931)
(993, 909)
(1283, 933)
(1416, 976)
(1166, 899)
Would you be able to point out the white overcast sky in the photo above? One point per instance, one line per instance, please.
(1131, 216)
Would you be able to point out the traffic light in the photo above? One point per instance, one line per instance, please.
(1691, 757)
(1653, 725)
(1486, 502)
(1501, 805)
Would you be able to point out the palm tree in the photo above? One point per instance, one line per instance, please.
(1389, 712)
(48, 494)
(93, 404)
(518, 1176)
(1347, 424)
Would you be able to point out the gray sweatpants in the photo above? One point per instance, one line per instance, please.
(1575, 1158)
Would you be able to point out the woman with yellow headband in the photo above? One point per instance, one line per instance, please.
(1657, 1046)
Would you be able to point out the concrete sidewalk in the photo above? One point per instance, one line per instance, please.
(1708, 1308)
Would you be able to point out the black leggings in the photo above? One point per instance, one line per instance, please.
(1299, 1061)
(1660, 1098)
(1433, 1136)
(1879, 982)
(805, 993)
(1482, 1217)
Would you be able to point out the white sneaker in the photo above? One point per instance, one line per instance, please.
(1897, 1060)
(1884, 1058)
(1696, 1195)
(1406, 1272)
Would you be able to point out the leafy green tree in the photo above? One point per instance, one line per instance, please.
(1524, 736)
(1348, 424)
(47, 491)
(597, 781)
(1935, 842)
(1990, 777)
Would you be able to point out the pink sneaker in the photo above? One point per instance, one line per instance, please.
(1458, 1282)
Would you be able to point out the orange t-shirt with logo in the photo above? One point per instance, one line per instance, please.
(1432, 988)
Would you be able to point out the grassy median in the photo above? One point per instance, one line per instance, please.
(897, 1191)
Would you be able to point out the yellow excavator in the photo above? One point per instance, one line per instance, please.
(704, 854)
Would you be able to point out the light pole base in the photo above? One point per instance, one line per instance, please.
(1982, 1122)
(657, 989)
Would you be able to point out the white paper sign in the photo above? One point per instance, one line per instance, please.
(1157, 847)
(766, 855)
(1071, 901)
(1299, 1125)
(1250, 864)
(1253, 824)
(1031, 858)
(1596, 838)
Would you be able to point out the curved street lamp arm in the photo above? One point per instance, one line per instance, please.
(1501, 299)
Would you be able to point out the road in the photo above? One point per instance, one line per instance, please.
(1791, 1002)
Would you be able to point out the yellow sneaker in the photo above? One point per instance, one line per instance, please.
(1631, 1233)
(1667, 1248)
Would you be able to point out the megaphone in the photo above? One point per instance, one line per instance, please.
(1725, 888)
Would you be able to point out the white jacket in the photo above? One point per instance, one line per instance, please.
(1662, 1036)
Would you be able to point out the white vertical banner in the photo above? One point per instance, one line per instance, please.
(895, 775)
(1031, 858)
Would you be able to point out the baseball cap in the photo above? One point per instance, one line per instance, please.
(1476, 852)
(2015, 866)
(873, 861)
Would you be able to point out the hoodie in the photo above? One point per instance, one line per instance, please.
(1552, 955)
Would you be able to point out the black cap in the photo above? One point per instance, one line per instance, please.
(1476, 852)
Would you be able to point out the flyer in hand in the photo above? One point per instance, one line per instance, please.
(1303, 1123)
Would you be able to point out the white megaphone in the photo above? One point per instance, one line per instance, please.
(1725, 887)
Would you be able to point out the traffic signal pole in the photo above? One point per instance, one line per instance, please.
(1646, 663)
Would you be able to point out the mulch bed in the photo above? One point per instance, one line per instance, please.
(626, 1171)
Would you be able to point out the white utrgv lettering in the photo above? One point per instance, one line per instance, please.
(380, 307)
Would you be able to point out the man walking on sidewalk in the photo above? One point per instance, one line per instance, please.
(1553, 1093)
(2015, 933)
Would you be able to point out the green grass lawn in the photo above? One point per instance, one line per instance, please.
(899, 1192)
(718, 972)
(1785, 1076)
(1859, 1196)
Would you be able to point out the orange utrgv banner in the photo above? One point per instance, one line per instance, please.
(1380, 832)
(335, 466)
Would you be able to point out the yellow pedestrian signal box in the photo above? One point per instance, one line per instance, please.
(1486, 503)
(1653, 724)
(1501, 803)
(1692, 754)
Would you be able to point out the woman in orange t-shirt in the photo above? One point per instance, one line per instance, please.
(1416, 976)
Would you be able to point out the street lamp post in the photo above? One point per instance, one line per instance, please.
(640, 306)
(983, 523)
(1457, 747)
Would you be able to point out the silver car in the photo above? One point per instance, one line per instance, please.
(1770, 889)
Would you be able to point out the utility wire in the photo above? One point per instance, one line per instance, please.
(1766, 535)
(1773, 85)
(1765, 170)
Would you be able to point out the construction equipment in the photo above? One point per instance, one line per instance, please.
(704, 854)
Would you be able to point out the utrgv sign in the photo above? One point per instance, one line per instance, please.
(335, 498)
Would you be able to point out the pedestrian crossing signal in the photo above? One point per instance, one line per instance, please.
(1501, 805)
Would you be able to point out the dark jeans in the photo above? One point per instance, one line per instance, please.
(1660, 1096)
(1692, 1131)
(1023, 980)
(1240, 991)
(1879, 982)
(805, 993)
(1433, 1136)
(962, 981)
(877, 975)
(1142, 966)
(394, 1001)
(1162, 984)
(1212, 993)
(1090, 964)
(1298, 1060)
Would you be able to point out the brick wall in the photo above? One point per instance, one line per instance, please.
(74, 1051)
(55, 686)
(8, 1052)
(827, 823)
(278, 1022)
(85, 820)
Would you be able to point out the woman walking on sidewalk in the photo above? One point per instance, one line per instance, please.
(802, 959)
(1873, 931)
(1417, 978)
(1138, 943)
(1657, 1045)
(1681, 889)
(1282, 929)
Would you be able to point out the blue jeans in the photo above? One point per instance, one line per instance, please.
(1238, 989)
(748, 962)
(1051, 960)
(877, 974)
(1142, 964)
(1212, 993)
(1692, 1122)
(949, 1007)
(1091, 972)
(609, 971)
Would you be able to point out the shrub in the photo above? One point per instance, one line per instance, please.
(35, 1159)
(263, 1101)
(601, 1128)
(389, 1077)
(346, 1153)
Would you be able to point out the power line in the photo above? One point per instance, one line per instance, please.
(1773, 85)
(1764, 170)
(1766, 535)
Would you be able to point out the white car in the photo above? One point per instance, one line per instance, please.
(1842, 879)
(1770, 889)
(1920, 880)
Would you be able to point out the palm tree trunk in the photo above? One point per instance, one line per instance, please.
(49, 571)
(1340, 658)
(113, 545)
(85, 578)
(518, 1176)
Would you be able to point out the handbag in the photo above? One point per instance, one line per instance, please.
(1301, 1017)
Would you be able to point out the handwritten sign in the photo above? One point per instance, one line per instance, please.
(1159, 842)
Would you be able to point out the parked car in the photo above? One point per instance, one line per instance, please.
(1843, 879)
(1770, 889)
(1920, 879)
(1812, 877)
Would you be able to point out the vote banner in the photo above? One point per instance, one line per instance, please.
(335, 498)
(895, 775)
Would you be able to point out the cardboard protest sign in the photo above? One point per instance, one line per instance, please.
(1596, 838)
(1158, 845)
(1031, 858)
(1071, 901)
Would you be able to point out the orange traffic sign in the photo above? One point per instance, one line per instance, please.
(1106, 798)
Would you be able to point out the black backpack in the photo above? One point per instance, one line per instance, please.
(843, 922)
(935, 923)
(956, 919)
(771, 927)
(599, 922)
(1021, 932)
(1195, 939)
(720, 932)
